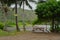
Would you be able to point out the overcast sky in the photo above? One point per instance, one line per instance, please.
(26, 7)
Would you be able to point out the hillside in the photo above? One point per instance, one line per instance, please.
(28, 15)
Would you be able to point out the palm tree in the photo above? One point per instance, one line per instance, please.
(5, 10)
(22, 2)
(5, 4)
(16, 16)
(9, 2)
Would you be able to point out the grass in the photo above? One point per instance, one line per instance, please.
(3, 33)
(14, 33)
(20, 24)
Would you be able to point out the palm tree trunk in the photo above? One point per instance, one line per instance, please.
(23, 18)
(16, 18)
(5, 16)
(5, 23)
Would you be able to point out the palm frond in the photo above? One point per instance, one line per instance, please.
(28, 4)
(20, 3)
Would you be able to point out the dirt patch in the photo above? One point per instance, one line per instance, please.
(33, 36)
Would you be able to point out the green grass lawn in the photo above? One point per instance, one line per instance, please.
(4, 33)
(20, 24)
(14, 33)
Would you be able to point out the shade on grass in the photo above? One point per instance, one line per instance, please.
(14, 33)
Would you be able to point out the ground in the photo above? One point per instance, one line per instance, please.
(33, 36)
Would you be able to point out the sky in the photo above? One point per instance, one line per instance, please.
(26, 7)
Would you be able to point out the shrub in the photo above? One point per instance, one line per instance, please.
(35, 22)
(9, 24)
(57, 29)
(51, 29)
(1, 26)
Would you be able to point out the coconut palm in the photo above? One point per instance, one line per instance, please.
(5, 4)
(22, 2)
(5, 10)
(16, 17)
(9, 2)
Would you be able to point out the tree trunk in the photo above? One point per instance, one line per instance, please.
(16, 18)
(46, 26)
(4, 8)
(57, 26)
(52, 25)
(5, 23)
(23, 19)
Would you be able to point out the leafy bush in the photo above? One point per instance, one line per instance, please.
(1, 26)
(51, 29)
(57, 29)
(9, 24)
(36, 22)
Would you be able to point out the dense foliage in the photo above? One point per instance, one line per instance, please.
(49, 11)
(8, 2)
(1, 26)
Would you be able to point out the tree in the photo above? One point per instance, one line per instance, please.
(16, 15)
(23, 2)
(5, 9)
(49, 11)
(8, 3)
